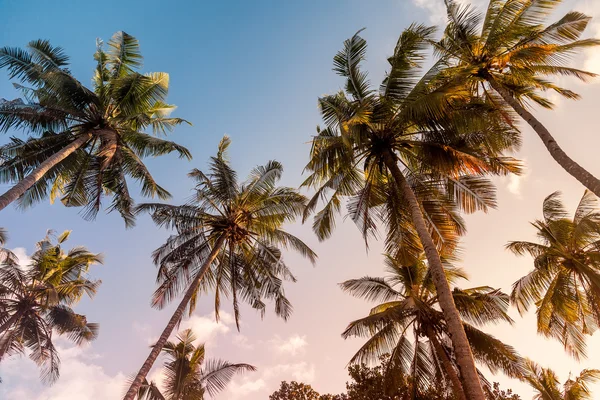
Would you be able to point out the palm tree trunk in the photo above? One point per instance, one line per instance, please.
(457, 388)
(22, 186)
(575, 170)
(460, 343)
(177, 315)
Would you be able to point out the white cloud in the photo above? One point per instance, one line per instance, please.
(301, 371)
(80, 378)
(242, 342)
(206, 328)
(435, 9)
(294, 345)
(245, 387)
(21, 253)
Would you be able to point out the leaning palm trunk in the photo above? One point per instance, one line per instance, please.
(22, 186)
(457, 388)
(567, 163)
(460, 343)
(177, 315)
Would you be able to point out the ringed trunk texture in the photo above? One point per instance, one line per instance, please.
(22, 186)
(457, 388)
(567, 163)
(460, 343)
(177, 315)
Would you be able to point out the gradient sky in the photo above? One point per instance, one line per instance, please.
(254, 70)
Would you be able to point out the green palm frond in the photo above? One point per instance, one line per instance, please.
(109, 123)
(36, 300)
(243, 222)
(565, 283)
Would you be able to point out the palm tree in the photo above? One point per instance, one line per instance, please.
(409, 306)
(86, 141)
(37, 299)
(409, 157)
(546, 384)
(188, 376)
(6, 256)
(565, 282)
(229, 239)
(512, 56)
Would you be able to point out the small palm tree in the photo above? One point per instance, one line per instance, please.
(37, 299)
(565, 282)
(229, 239)
(510, 57)
(188, 376)
(410, 157)
(410, 307)
(87, 141)
(545, 382)
(6, 256)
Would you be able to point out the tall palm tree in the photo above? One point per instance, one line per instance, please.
(565, 282)
(511, 57)
(545, 382)
(86, 141)
(410, 156)
(188, 375)
(229, 239)
(409, 307)
(37, 299)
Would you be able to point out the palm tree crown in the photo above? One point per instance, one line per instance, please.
(188, 375)
(410, 307)
(6, 255)
(36, 300)
(565, 282)
(547, 386)
(243, 221)
(510, 56)
(443, 140)
(86, 141)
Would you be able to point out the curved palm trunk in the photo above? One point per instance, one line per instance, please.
(575, 170)
(460, 343)
(457, 388)
(22, 186)
(139, 378)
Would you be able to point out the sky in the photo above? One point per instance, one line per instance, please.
(254, 71)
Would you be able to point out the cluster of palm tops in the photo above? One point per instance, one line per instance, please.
(408, 157)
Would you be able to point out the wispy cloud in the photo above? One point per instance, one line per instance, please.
(293, 345)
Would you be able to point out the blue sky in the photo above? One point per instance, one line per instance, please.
(253, 70)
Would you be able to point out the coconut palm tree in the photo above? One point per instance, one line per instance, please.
(565, 282)
(86, 142)
(545, 382)
(410, 157)
(510, 56)
(6, 256)
(188, 375)
(407, 305)
(36, 300)
(229, 239)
